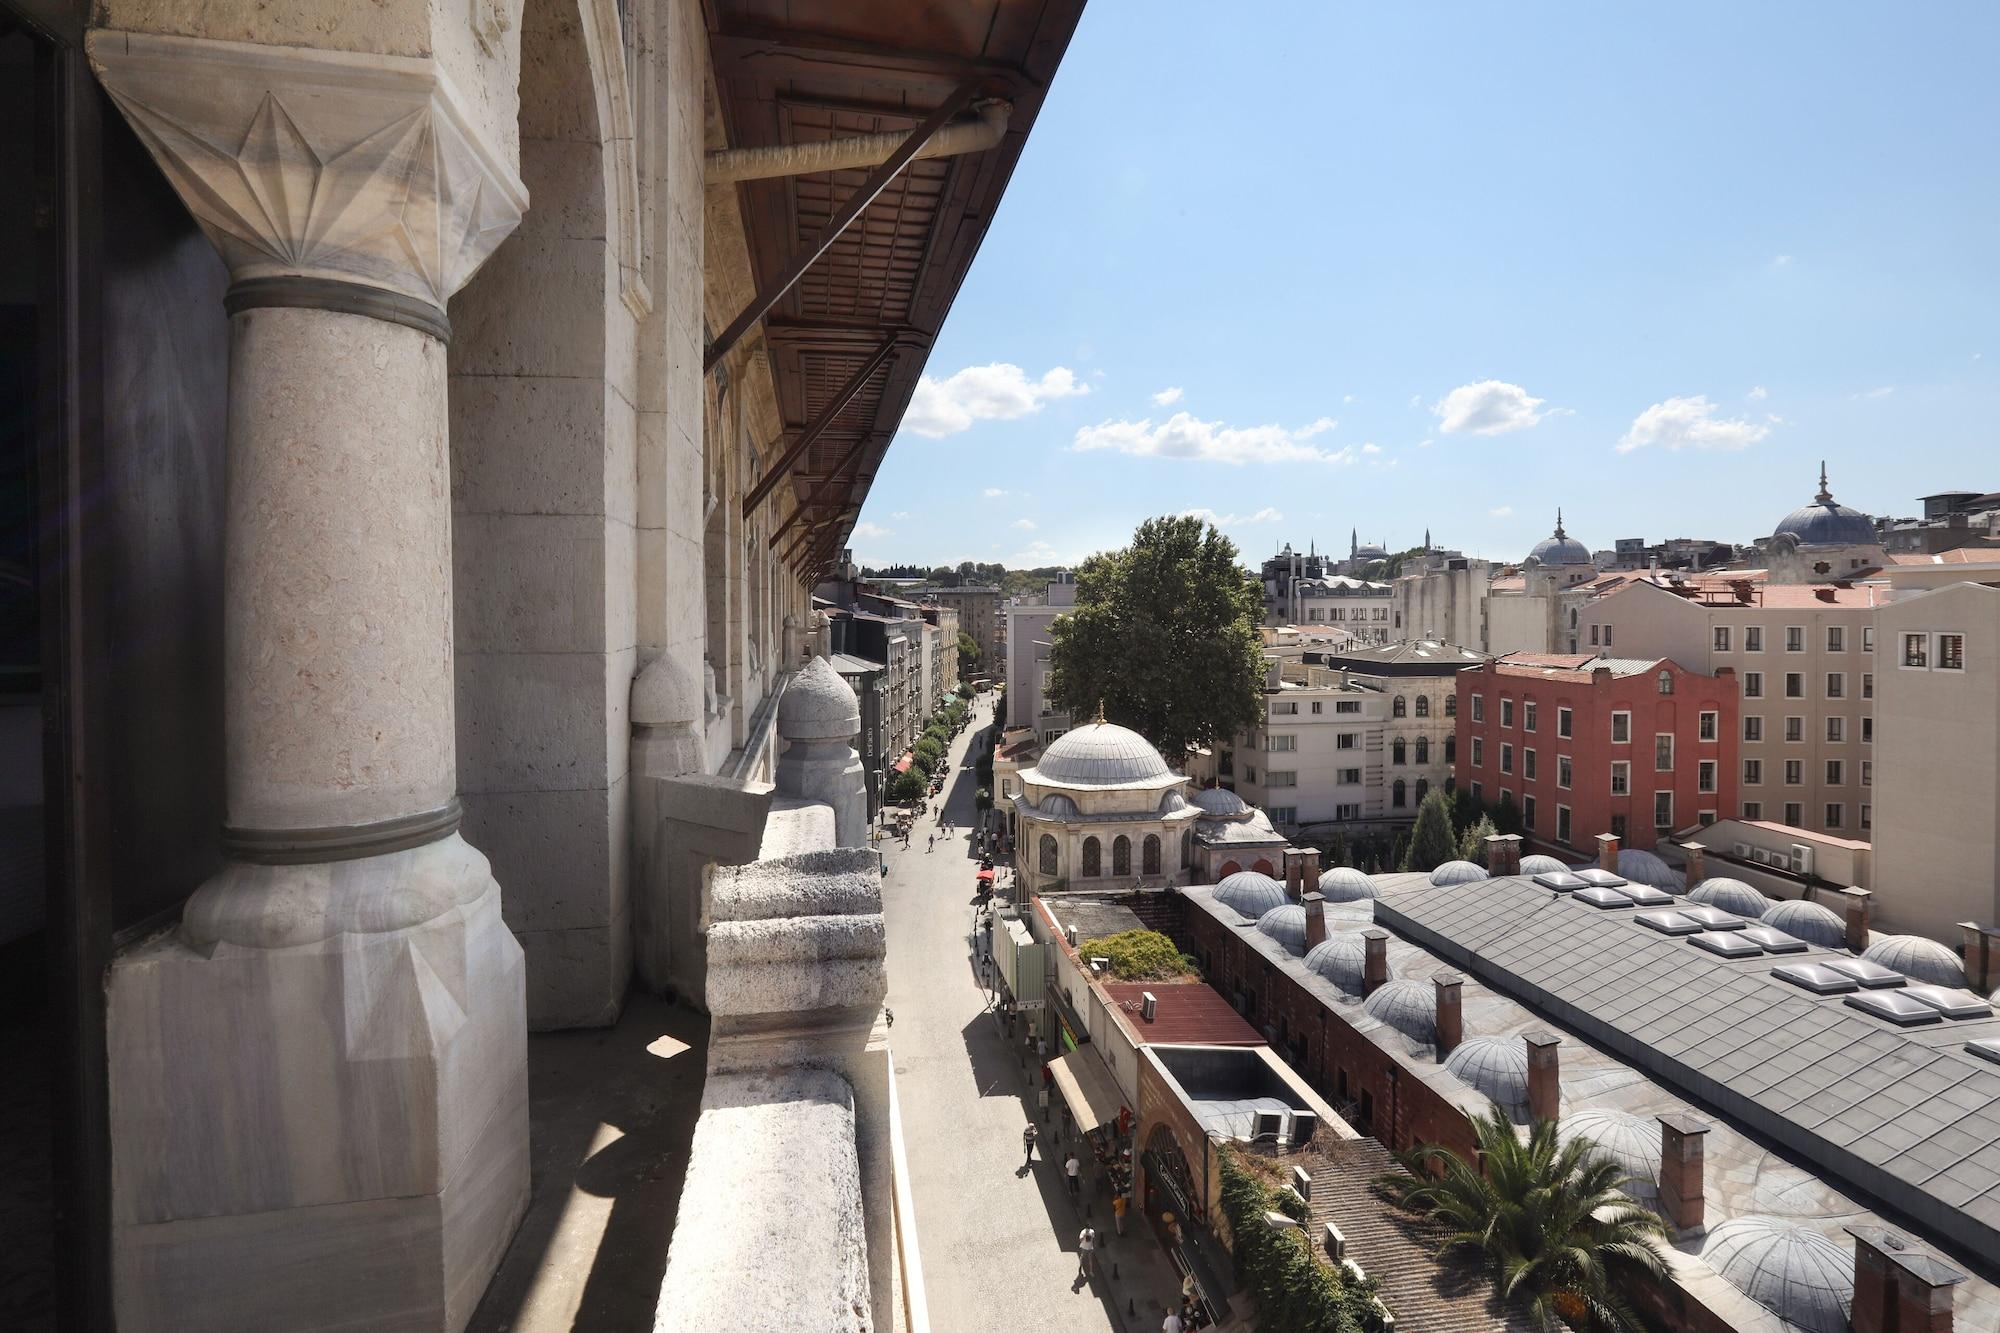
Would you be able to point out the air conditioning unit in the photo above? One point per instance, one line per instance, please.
(1764, 857)
(1336, 1243)
(1743, 850)
(1070, 934)
(1802, 859)
(1302, 1182)
(1303, 1125)
(1268, 1125)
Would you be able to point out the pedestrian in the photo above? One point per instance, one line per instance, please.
(1172, 1323)
(1028, 1145)
(1118, 1206)
(930, 843)
(1086, 1252)
(1072, 1171)
(1048, 1076)
(1042, 1049)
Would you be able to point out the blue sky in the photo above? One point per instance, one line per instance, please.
(1414, 265)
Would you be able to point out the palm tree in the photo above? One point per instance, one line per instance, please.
(1548, 1219)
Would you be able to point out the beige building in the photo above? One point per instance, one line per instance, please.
(1321, 755)
(1100, 809)
(1806, 662)
(1419, 679)
(982, 614)
(1529, 608)
(1028, 621)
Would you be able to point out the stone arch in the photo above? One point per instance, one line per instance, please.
(1423, 705)
(1228, 868)
(1262, 867)
(1398, 706)
(1121, 855)
(1051, 862)
(614, 34)
(1149, 855)
(1093, 858)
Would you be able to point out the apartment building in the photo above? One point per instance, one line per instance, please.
(1028, 621)
(1805, 663)
(982, 614)
(1420, 680)
(1320, 756)
(1633, 747)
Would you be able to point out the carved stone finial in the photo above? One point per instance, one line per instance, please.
(1825, 496)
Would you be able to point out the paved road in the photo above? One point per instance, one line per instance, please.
(999, 1244)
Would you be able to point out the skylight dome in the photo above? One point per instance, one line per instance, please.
(1410, 1007)
(1345, 884)
(1917, 958)
(1542, 865)
(1286, 925)
(1633, 1142)
(1342, 959)
(1457, 872)
(1250, 893)
(1794, 1271)
(1731, 895)
(1642, 867)
(1806, 921)
(1496, 1067)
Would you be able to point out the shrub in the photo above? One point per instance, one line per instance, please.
(1140, 955)
(1472, 846)
(1431, 841)
(965, 689)
(1292, 1287)
(908, 786)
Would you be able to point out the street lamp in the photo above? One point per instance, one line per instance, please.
(1278, 1221)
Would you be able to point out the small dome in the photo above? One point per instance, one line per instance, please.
(1286, 925)
(1918, 959)
(1794, 1271)
(1220, 803)
(1457, 872)
(1805, 921)
(1560, 548)
(1250, 894)
(1342, 959)
(1645, 868)
(1496, 1067)
(1172, 803)
(1825, 523)
(1345, 884)
(1733, 895)
(1410, 1007)
(1100, 754)
(1633, 1142)
(1058, 806)
(1542, 865)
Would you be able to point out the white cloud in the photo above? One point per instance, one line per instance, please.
(1037, 553)
(1265, 515)
(994, 493)
(1780, 261)
(1501, 511)
(869, 532)
(1168, 397)
(1488, 407)
(1184, 436)
(1690, 423)
(1319, 426)
(1347, 398)
(1371, 448)
(1871, 395)
(1758, 394)
(1424, 444)
(999, 392)
(1416, 400)
(900, 513)
(1025, 524)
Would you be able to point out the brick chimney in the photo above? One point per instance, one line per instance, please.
(1982, 956)
(1899, 1285)
(1607, 852)
(1513, 853)
(1854, 903)
(1697, 862)
(1450, 1012)
(1544, 1083)
(1315, 920)
(1374, 959)
(1301, 871)
(1681, 1139)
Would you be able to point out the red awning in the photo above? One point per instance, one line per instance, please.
(903, 765)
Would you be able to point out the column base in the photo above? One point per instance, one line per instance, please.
(331, 1134)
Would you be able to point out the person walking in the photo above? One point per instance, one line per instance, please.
(1073, 1172)
(930, 843)
(1172, 1323)
(1118, 1206)
(1086, 1253)
(1028, 1146)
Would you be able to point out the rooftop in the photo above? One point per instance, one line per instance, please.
(1184, 1013)
(1570, 666)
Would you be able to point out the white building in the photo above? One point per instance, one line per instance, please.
(1101, 809)
(1028, 621)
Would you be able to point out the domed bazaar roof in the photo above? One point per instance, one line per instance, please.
(1918, 958)
(1542, 865)
(1798, 1273)
(1642, 867)
(1286, 925)
(1811, 922)
(1457, 872)
(1341, 958)
(1632, 1141)
(1732, 895)
(1220, 802)
(1496, 1067)
(1560, 548)
(1410, 1007)
(1345, 884)
(1250, 894)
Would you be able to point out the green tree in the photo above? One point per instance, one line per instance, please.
(1140, 955)
(908, 786)
(1293, 1288)
(1548, 1219)
(1164, 638)
(1431, 840)
(928, 756)
(1506, 814)
(968, 654)
(1465, 808)
(1472, 843)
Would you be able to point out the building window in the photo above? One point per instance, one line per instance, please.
(1836, 639)
(1423, 749)
(1753, 728)
(1506, 757)
(1397, 707)
(1834, 773)
(1867, 730)
(1867, 815)
(1284, 814)
(1249, 773)
(1451, 705)
(1795, 814)
(1528, 812)
(1705, 776)
(1593, 636)
(1753, 638)
(1398, 752)
(1528, 710)
(1347, 706)
(1722, 638)
(1753, 809)
(1478, 708)
(1350, 777)
(1833, 814)
(1917, 652)
(1478, 793)
(1281, 744)
(1149, 855)
(1795, 730)
(1753, 684)
(1868, 685)
(1187, 849)
(1289, 708)
(1666, 682)
(1347, 812)
(1281, 778)
(1753, 772)
(1346, 740)
(1562, 824)
(1795, 638)
(1663, 809)
(1795, 772)
(1506, 712)
(1867, 638)
(1121, 855)
(1621, 728)
(1621, 777)
(1093, 858)
(1836, 685)
(1528, 764)
(1048, 854)
(1423, 705)
(1836, 729)
(1951, 652)
(1424, 788)
(1867, 772)
(1607, 636)
(1706, 725)
(1562, 771)
(1795, 684)
(1663, 752)
(1563, 720)
(1316, 707)
(1451, 749)
(1397, 794)
(1478, 752)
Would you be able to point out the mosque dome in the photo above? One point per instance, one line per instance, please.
(1560, 548)
(1220, 803)
(1457, 872)
(1797, 1273)
(1286, 925)
(1806, 921)
(1918, 959)
(1250, 893)
(1100, 754)
(1542, 865)
(1058, 806)
(1642, 867)
(1733, 895)
(1172, 803)
(1633, 1142)
(1342, 959)
(1408, 1006)
(1345, 884)
(1496, 1067)
(1825, 523)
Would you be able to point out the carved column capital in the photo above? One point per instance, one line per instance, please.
(339, 166)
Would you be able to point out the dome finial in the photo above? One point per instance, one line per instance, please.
(1100, 710)
(1559, 523)
(1825, 496)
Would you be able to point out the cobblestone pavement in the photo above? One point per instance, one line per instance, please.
(998, 1242)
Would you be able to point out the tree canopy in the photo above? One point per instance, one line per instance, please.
(1140, 955)
(1164, 637)
(1432, 841)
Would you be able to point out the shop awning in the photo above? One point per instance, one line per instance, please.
(903, 765)
(1088, 1087)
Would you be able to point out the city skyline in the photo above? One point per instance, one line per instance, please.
(1667, 250)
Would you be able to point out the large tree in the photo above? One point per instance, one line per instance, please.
(1432, 841)
(1164, 638)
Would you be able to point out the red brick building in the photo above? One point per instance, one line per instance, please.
(1587, 745)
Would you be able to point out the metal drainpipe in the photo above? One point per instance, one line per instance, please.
(865, 150)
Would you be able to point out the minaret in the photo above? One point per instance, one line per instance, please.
(1427, 541)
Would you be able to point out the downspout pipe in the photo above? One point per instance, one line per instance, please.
(729, 165)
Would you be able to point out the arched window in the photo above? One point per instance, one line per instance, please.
(1423, 705)
(1398, 751)
(1451, 749)
(1398, 707)
(1228, 868)
(1149, 855)
(1451, 705)
(1424, 788)
(1666, 682)
(1048, 852)
(1093, 858)
(1262, 866)
(1398, 794)
(1187, 849)
(1121, 855)
(1423, 749)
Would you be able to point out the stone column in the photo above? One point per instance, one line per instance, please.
(318, 1086)
(818, 718)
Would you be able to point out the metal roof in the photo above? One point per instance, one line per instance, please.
(1185, 1013)
(1905, 1115)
